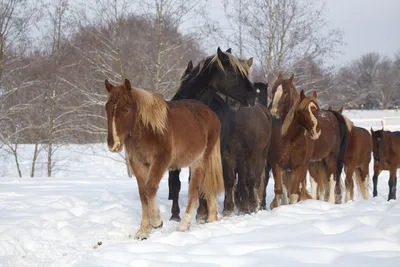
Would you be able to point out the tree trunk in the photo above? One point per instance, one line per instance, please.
(35, 154)
(16, 161)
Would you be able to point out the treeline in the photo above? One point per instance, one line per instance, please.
(56, 54)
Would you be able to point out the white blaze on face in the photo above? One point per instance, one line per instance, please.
(115, 135)
(275, 101)
(315, 134)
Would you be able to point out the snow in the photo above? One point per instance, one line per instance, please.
(85, 214)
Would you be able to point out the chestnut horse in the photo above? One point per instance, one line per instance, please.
(294, 132)
(327, 160)
(150, 129)
(357, 159)
(222, 82)
(386, 153)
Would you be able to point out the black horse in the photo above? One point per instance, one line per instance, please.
(198, 84)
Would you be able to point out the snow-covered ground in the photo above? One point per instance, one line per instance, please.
(85, 214)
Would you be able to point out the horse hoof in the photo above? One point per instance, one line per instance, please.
(228, 213)
(201, 219)
(183, 227)
(175, 218)
(159, 226)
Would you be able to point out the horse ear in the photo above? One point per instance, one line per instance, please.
(315, 95)
(127, 84)
(189, 67)
(108, 85)
(291, 79)
(250, 61)
(221, 55)
(329, 107)
(340, 110)
(372, 131)
(302, 95)
(280, 75)
(229, 50)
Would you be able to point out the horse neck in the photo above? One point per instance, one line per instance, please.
(294, 97)
(295, 131)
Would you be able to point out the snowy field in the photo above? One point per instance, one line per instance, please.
(85, 214)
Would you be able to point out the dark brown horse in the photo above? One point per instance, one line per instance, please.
(357, 159)
(386, 153)
(221, 85)
(150, 129)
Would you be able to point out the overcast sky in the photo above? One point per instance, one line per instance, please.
(368, 25)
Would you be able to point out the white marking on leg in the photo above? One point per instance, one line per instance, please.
(347, 197)
(275, 101)
(294, 198)
(314, 186)
(185, 223)
(284, 196)
(365, 187)
(331, 189)
(315, 135)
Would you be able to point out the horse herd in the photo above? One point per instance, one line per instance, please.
(220, 125)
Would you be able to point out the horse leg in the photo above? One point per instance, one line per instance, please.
(277, 172)
(300, 174)
(229, 182)
(364, 180)
(349, 182)
(330, 168)
(242, 186)
(193, 195)
(264, 187)
(252, 186)
(174, 185)
(392, 184)
(313, 178)
(287, 178)
(202, 211)
(377, 171)
(157, 169)
(140, 171)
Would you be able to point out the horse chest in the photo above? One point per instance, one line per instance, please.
(292, 155)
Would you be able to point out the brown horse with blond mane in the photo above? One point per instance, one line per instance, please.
(151, 131)
(331, 136)
(294, 130)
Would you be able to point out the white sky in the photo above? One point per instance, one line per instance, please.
(367, 25)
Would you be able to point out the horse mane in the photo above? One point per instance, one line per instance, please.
(298, 106)
(152, 109)
(239, 65)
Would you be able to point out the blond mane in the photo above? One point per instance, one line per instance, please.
(152, 109)
(297, 106)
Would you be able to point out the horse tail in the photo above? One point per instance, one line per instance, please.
(344, 134)
(213, 182)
